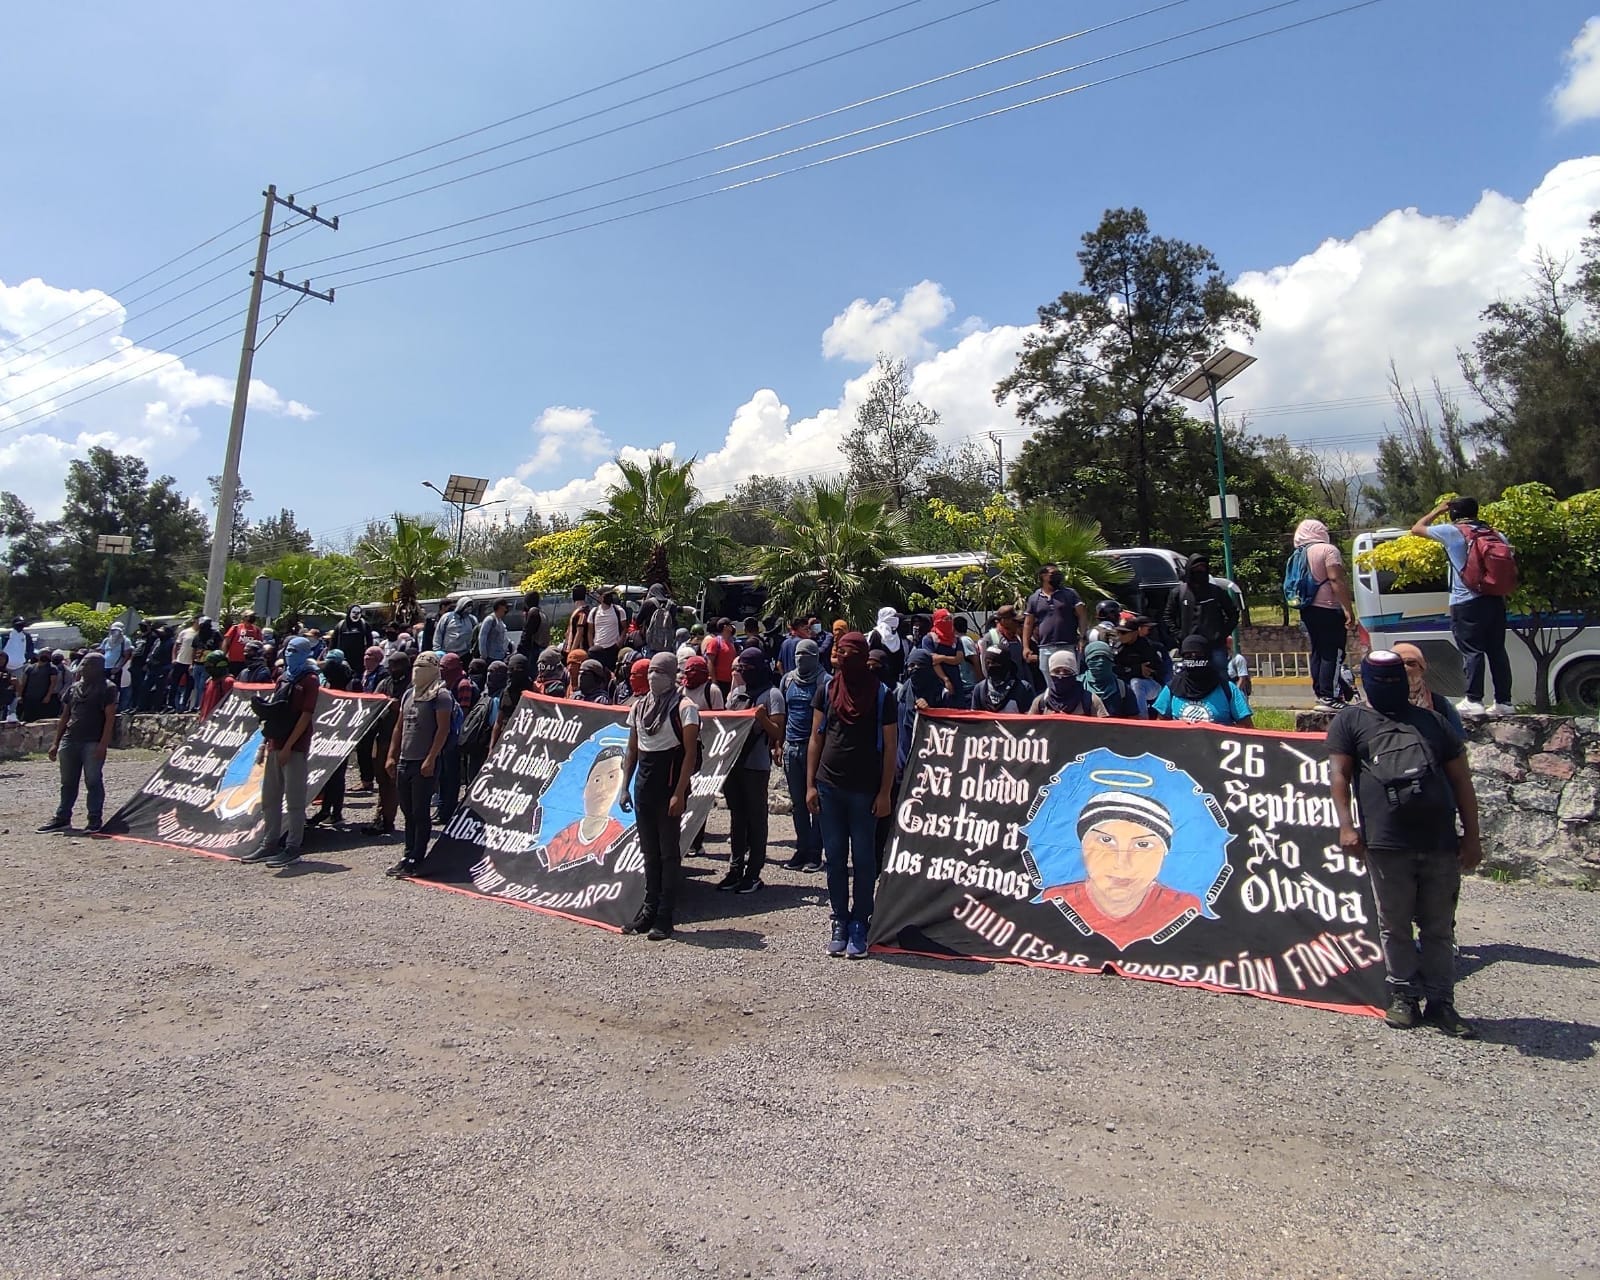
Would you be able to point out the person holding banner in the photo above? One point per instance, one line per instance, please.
(1199, 693)
(286, 749)
(663, 736)
(421, 730)
(748, 781)
(849, 781)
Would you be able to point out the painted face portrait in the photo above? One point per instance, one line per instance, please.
(585, 806)
(600, 791)
(1123, 859)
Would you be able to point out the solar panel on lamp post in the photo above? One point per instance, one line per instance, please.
(462, 494)
(1219, 368)
(111, 545)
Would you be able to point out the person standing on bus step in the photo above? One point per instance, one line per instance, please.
(1477, 619)
(1410, 777)
(1327, 610)
(849, 780)
(1054, 617)
(663, 736)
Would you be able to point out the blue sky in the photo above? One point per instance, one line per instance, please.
(138, 131)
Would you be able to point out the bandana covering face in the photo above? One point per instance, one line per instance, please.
(852, 692)
(1417, 676)
(696, 671)
(922, 678)
(591, 678)
(497, 676)
(92, 671)
(425, 676)
(755, 672)
(639, 677)
(1384, 681)
(943, 628)
(664, 693)
(807, 661)
(297, 657)
(1195, 676)
(1001, 678)
(1100, 676)
(889, 629)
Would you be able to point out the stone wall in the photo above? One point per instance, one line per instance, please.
(161, 732)
(18, 739)
(1538, 784)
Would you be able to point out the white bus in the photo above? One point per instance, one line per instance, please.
(1420, 615)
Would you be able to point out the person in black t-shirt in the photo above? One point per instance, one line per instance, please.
(1410, 775)
(1199, 607)
(83, 735)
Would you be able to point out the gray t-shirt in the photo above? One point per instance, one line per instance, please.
(419, 724)
(759, 756)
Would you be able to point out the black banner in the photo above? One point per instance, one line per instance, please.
(206, 797)
(546, 825)
(1196, 855)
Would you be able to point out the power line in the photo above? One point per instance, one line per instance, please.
(844, 155)
(723, 146)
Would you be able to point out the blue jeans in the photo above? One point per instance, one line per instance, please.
(81, 759)
(849, 837)
(807, 829)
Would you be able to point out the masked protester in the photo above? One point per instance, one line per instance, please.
(1065, 694)
(636, 684)
(698, 686)
(421, 730)
(663, 741)
(949, 656)
(1199, 607)
(520, 680)
(888, 646)
(485, 714)
(1198, 694)
(287, 754)
(592, 683)
(83, 736)
(1002, 691)
(804, 690)
(551, 677)
(849, 783)
(748, 781)
(393, 686)
(219, 684)
(336, 675)
(1421, 694)
(1409, 772)
(350, 634)
(575, 660)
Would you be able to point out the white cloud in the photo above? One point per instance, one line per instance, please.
(1577, 98)
(897, 329)
(85, 383)
(563, 434)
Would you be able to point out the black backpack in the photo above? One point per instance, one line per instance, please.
(276, 711)
(478, 728)
(1401, 760)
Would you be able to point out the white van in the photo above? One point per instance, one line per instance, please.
(1420, 615)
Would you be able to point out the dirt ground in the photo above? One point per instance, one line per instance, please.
(210, 1070)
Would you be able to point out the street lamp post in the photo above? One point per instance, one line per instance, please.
(1217, 369)
(462, 494)
(112, 545)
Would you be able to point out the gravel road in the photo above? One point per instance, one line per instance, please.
(210, 1070)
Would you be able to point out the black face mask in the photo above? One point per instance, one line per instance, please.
(1055, 581)
(608, 601)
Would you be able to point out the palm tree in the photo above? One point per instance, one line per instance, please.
(654, 517)
(238, 591)
(416, 561)
(314, 584)
(1044, 536)
(831, 553)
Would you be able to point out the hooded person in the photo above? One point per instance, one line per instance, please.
(698, 686)
(663, 740)
(219, 683)
(19, 647)
(638, 678)
(82, 738)
(1202, 607)
(393, 686)
(286, 741)
(1198, 694)
(1064, 693)
(421, 735)
(949, 659)
(1327, 609)
(921, 690)
(350, 633)
(850, 767)
(336, 675)
(550, 677)
(575, 660)
(1422, 695)
(825, 646)
(453, 676)
(1407, 771)
(747, 785)
(804, 690)
(886, 641)
(593, 683)
(1002, 691)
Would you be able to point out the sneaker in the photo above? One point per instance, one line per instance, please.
(857, 946)
(1328, 704)
(287, 858)
(639, 924)
(317, 818)
(1442, 1015)
(1502, 709)
(94, 825)
(839, 940)
(811, 868)
(56, 824)
(377, 829)
(731, 881)
(260, 855)
(404, 867)
(1467, 707)
(794, 864)
(659, 932)
(1402, 1012)
(750, 886)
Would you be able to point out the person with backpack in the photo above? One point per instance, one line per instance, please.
(1315, 582)
(535, 637)
(493, 641)
(1065, 694)
(608, 623)
(748, 782)
(1197, 694)
(1483, 573)
(849, 783)
(1410, 779)
(336, 675)
(803, 690)
(663, 738)
(454, 630)
(1200, 607)
(658, 621)
(421, 730)
(477, 730)
(287, 716)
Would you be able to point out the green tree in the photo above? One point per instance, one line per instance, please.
(749, 519)
(892, 443)
(830, 556)
(279, 535)
(417, 561)
(1426, 454)
(655, 521)
(1044, 536)
(112, 493)
(1093, 381)
(38, 574)
(313, 584)
(565, 558)
(94, 625)
(502, 543)
(241, 523)
(238, 591)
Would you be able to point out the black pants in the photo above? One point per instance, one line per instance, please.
(660, 834)
(1325, 630)
(366, 753)
(746, 793)
(471, 762)
(1479, 628)
(332, 793)
(416, 794)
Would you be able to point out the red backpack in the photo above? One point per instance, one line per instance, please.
(1491, 565)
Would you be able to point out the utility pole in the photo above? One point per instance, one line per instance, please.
(999, 461)
(222, 531)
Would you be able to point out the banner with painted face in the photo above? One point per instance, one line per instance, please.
(206, 796)
(1190, 854)
(547, 824)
